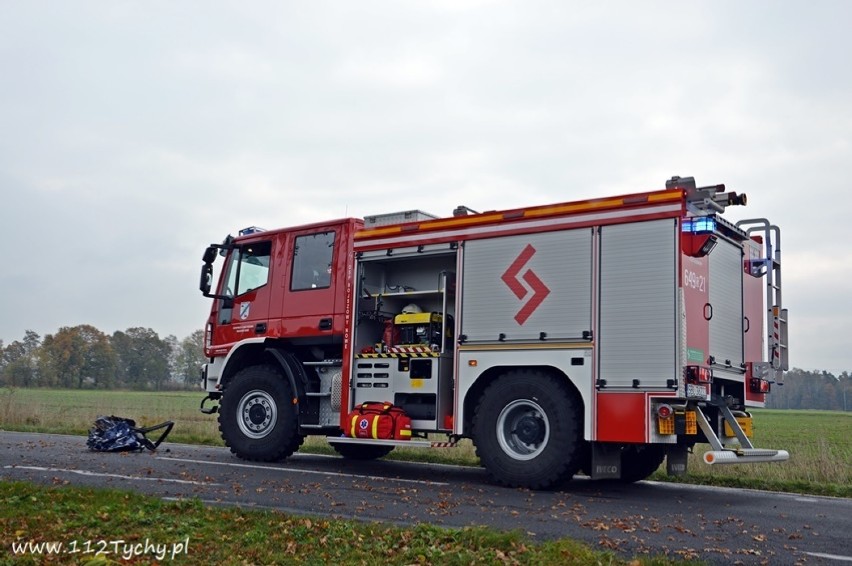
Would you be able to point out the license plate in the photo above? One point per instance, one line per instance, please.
(696, 391)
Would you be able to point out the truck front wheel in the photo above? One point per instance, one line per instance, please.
(528, 430)
(257, 416)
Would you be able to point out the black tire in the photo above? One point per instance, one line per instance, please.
(361, 451)
(528, 430)
(639, 462)
(257, 417)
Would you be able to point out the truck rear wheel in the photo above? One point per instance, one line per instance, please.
(361, 451)
(639, 462)
(527, 430)
(257, 417)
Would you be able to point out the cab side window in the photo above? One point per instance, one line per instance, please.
(249, 268)
(312, 256)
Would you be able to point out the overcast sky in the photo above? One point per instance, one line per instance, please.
(136, 133)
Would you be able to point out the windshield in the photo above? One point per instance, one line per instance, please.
(248, 269)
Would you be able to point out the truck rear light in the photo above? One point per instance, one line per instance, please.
(698, 374)
(665, 425)
(757, 385)
(670, 421)
(690, 423)
(665, 419)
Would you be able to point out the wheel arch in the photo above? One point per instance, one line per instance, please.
(527, 428)
(266, 353)
(474, 393)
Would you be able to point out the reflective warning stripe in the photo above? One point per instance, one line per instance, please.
(469, 224)
(409, 350)
(407, 355)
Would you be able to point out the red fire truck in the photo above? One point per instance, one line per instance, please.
(599, 336)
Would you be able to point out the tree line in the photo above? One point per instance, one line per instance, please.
(812, 390)
(82, 356)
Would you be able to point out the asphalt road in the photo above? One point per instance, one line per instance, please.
(717, 525)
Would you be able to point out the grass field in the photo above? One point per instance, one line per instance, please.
(819, 442)
(73, 411)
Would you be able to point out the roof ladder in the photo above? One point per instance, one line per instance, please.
(776, 315)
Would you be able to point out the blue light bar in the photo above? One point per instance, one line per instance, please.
(699, 225)
(251, 230)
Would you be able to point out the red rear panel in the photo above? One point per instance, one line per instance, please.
(695, 281)
(621, 417)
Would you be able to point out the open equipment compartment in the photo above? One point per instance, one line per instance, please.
(404, 332)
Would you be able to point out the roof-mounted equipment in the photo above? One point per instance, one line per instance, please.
(703, 201)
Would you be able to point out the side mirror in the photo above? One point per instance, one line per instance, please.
(206, 276)
(209, 255)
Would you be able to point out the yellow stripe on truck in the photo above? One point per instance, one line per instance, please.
(527, 213)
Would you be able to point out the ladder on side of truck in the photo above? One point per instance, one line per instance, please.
(776, 316)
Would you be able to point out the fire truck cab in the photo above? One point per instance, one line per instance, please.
(600, 336)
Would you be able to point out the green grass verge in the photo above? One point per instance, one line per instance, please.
(145, 530)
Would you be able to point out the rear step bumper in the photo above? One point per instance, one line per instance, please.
(745, 456)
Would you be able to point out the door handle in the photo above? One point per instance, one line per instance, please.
(260, 328)
(325, 324)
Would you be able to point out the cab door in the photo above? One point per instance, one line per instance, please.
(244, 312)
(311, 284)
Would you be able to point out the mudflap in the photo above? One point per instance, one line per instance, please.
(606, 461)
(676, 460)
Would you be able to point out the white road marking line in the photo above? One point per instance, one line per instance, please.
(740, 490)
(302, 471)
(830, 556)
(100, 474)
